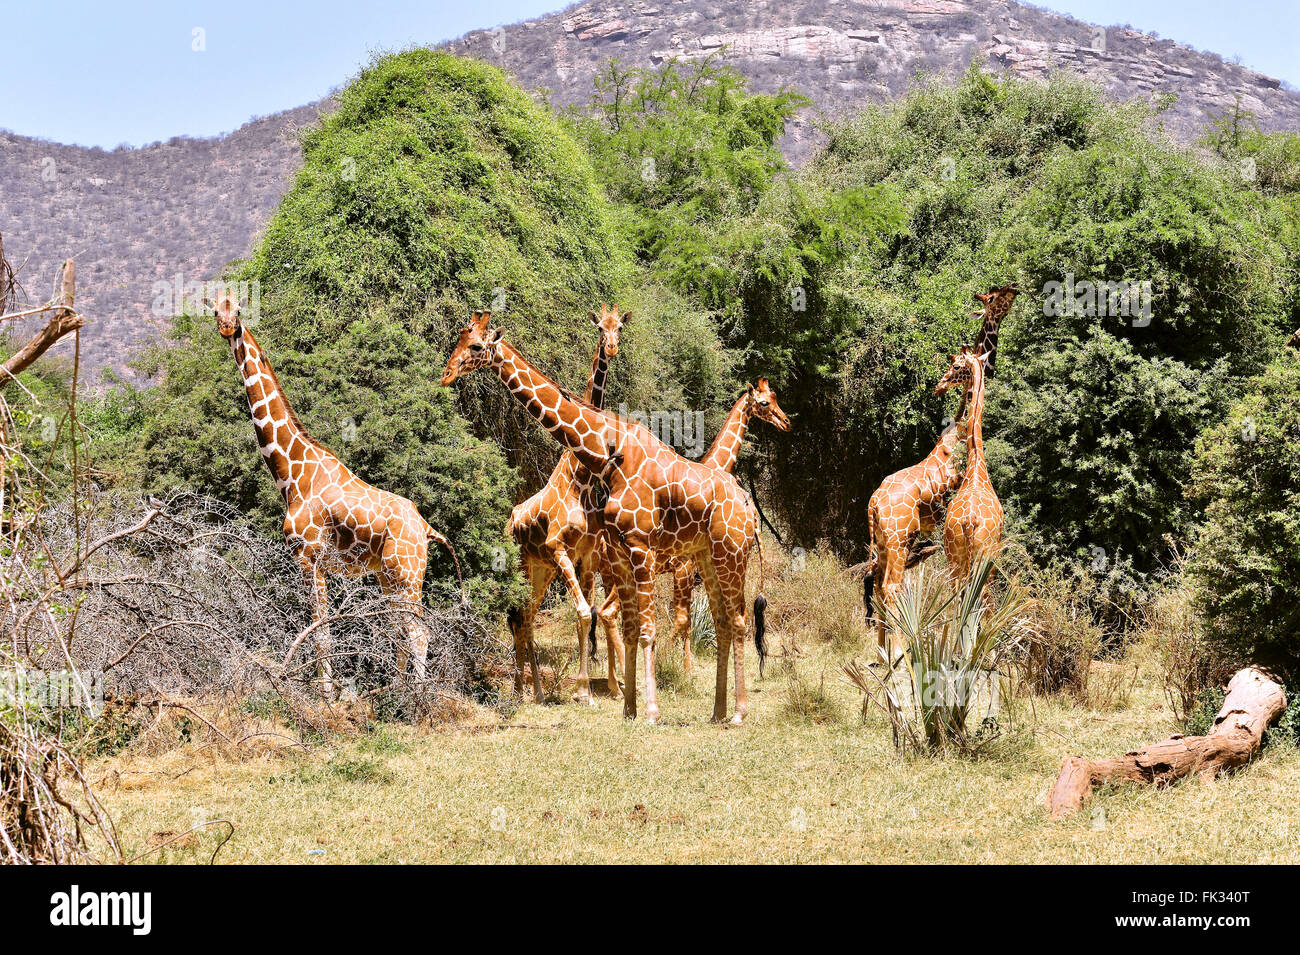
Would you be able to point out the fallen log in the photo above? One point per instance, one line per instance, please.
(1254, 701)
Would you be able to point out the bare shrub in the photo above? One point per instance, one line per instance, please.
(809, 593)
(47, 808)
(170, 602)
(1061, 635)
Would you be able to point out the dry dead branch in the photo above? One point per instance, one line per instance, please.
(64, 319)
(1254, 701)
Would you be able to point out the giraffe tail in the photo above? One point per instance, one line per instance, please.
(869, 591)
(760, 609)
(869, 578)
(591, 634)
(460, 578)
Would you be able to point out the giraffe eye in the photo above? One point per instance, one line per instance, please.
(476, 347)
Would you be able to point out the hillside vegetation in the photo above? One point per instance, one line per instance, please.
(438, 186)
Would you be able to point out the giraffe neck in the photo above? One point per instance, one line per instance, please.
(726, 446)
(280, 434)
(580, 428)
(595, 393)
(975, 418)
(938, 465)
(987, 343)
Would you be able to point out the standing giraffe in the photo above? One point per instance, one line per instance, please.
(906, 504)
(334, 521)
(758, 401)
(973, 527)
(658, 502)
(557, 528)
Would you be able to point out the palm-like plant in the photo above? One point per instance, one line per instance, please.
(948, 673)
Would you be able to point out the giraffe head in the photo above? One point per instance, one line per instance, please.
(996, 301)
(476, 348)
(762, 404)
(610, 323)
(960, 368)
(227, 310)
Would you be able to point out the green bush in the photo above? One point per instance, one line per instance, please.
(437, 186)
(1245, 564)
(852, 283)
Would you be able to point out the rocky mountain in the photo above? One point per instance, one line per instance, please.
(142, 221)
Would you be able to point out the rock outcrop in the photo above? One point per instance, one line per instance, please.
(139, 218)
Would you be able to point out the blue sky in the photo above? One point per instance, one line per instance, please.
(101, 73)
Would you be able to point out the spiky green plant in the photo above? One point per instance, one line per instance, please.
(947, 678)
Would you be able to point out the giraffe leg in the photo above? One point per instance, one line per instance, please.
(417, 636)
(880, 574)
(321, 636)
(609, 620)
(643, 576)
(539, 574)
(627, 602)
(583, 692)
(415, 645)
(734, 595)
(683, 587)
(587, 578)
(722, 625)
(888, 596)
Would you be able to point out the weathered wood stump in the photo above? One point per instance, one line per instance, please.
(1254, 701)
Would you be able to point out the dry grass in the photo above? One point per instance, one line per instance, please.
(805, 780)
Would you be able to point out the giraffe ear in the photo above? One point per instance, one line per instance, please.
(497, 335)
(595, 320)
(627, 317)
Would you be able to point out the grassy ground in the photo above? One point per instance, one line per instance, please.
(807, 779)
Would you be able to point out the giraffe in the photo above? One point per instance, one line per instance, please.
(905, 505)
(996, 304)
(757, 401)
(973, 526)
(334, 521)
(557, 528)
(657, 502)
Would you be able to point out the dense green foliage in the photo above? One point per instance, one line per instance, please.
(679, 149)
(911, 208)
(1246, 562)
(437, 186)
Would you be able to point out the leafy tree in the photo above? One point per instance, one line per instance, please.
(954, 188)
(1245, 566)
(679, 148)
(435, 187)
